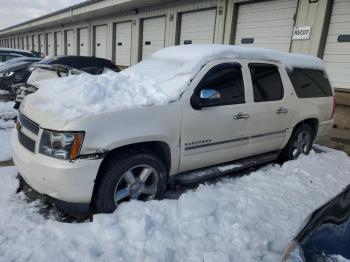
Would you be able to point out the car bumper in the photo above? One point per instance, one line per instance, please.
(323, 128)
(66, 181)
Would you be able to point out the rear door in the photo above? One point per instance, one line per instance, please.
(270, 109)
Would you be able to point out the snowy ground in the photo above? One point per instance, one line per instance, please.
(249, 218)
(7, 113)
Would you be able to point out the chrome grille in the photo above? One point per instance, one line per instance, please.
(26, 141)
(29, 124)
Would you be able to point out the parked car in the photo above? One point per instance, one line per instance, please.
(202, 107)
(60, 66)
(15, 71)
(10, 53)
(325, 237)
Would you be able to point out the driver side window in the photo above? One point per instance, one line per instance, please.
(227, 80)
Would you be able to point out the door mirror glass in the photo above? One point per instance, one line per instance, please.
(209, 94)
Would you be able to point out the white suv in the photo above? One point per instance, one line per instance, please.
(228, 108)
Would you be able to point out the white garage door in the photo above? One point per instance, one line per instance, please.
(41, 43)
(50, 44)
(69, 42)
(267, 24)
(58, 43)
(35, 43)
(337, 51)
(123, 44)
(198, 27)
(30, 43)
(101, 41)
(84, 41)
(153, 35)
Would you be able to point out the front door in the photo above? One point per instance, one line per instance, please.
(214, 132)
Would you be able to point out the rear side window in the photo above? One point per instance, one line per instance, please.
(310, 83)
(267, 83)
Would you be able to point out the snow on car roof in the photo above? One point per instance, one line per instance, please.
(157, 80)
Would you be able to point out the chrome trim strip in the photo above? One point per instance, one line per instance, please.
(235, 140)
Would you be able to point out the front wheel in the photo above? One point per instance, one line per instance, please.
(135, 176)
(300, 143)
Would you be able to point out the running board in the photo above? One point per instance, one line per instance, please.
(203, 174)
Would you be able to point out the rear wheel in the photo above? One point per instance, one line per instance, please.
(300, 143)
(135, 176)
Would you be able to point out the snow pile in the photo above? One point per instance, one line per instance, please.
(158, 80)
(7, 113)
(249, 218)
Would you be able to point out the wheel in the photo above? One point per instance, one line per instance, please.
(300, 143)
(139, 175)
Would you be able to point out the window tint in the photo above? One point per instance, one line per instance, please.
(267, 83)
(227, 79)
(310, 83)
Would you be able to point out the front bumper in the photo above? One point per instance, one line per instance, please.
(67, 181)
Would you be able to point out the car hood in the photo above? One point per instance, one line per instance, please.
(44, 119)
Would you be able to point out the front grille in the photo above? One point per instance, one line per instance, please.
(26, 141)
(29, 124)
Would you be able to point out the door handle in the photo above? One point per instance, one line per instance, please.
(282, 110)
(241, 115)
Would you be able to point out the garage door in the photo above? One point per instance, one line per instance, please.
(267, 24)
(69, 47)
(30, 43)
(84, 41)
(153, 36)
(198, 27)
(123, 44)
(50, 44)
(337, 51)
(101, 41)
(42, 43)
(58, 43)
(35, 43)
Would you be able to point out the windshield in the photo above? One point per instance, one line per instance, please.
(47, 60)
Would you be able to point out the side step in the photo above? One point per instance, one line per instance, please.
(206, 173)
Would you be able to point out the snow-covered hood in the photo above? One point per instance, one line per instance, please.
(158, 80)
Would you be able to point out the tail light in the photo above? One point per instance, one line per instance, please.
(334, 105)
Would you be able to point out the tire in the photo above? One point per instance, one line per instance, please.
(132, 175)
(300, 143)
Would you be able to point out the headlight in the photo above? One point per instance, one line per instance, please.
(62, 145)
(293, 253)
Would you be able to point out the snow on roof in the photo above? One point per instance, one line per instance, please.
(158, 80)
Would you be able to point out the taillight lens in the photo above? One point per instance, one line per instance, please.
(334, 105)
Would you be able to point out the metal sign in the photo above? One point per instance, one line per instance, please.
(301, 32)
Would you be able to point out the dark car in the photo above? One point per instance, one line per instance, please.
(91, 65)
(326, 235)
(10, 53)
(15, 71)
(62, 66)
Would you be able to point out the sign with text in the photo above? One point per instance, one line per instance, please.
(301, 32)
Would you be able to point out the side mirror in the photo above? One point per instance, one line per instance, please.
(209, 94)
(207, 97)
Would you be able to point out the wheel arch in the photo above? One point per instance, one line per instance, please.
(313, 122)
(159, 148)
